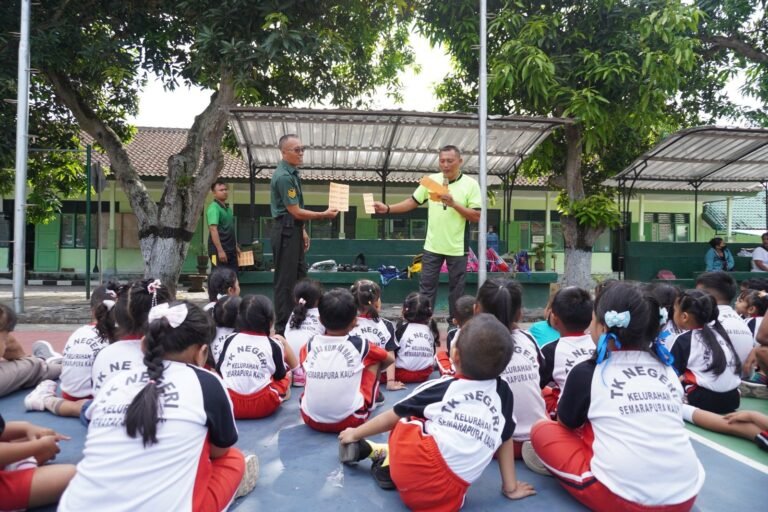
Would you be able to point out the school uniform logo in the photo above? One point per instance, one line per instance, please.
(292, 193)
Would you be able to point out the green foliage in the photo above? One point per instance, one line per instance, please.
(595, 211)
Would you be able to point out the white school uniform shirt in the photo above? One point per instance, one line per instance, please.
(122, 355)
(334, 367)
(117, 473)
(299, 336)
(641, 448)
(560, 356)
(693, 356)
(468, 419)
(523, 377)
(79, 354)
(222, 333)
(249, 362)
(668, 334)
(380, 332)
(759, 254)
(753, 324)
(737, 330)
(416, 348)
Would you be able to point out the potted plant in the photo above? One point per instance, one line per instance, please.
(538, 252)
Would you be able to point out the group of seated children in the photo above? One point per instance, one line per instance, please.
(626, 369)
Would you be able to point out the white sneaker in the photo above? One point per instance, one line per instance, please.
(28, 463)
(250, 476)
(532, 461)
(35, 401)
(44, 350)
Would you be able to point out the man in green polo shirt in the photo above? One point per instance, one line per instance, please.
(289, 237)
(222, 241)
(447, 219)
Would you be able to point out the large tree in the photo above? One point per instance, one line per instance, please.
(95, 56)
(611, 67)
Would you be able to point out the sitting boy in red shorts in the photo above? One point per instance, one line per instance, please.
(445, 433)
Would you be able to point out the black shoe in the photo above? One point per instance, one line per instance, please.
(761, 440)
(381, 475)
(354, 452)
(379, 397)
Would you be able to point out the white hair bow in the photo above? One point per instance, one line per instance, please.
(663, 316)
(614, 319)
(109, 303)
(175, 315)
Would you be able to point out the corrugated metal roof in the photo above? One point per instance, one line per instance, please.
(718, 159)
(351, 145)
(748, 213)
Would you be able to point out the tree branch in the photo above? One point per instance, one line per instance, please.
(741, 47)
(120, 163)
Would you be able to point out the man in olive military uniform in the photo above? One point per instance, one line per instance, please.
(289, 236)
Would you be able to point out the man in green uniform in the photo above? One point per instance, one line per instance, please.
(447, 219)
(222, 241)
(289, 236)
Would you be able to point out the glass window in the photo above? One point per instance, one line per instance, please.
(67, 230)
(418, 228)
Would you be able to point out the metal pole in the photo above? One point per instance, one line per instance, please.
(482, 153)
(696, 212)
(765, 187)
(22, 132)
(88, 221)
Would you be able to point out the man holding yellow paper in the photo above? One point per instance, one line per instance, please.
(454, 199)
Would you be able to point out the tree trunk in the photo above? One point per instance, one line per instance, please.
(165, 228)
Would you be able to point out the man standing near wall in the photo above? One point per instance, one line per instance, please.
(222, 240)
(289, 237)
(447, 219)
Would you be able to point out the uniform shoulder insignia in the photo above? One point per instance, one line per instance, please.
(292, 193)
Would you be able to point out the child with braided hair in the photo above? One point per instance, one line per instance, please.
(168, 422)
(304, 322)
(416, 335)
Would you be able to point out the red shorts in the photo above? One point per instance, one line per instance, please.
(15, 487)
(568, 453)
(444, 363)
(404, 375)
(423, 479)
(67, 396)
(369, 387)
(261, 404)
(551, 397)
(217, 479)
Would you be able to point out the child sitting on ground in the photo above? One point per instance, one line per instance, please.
(666, 295)
(756, 303)
(222, 282)
(17, 369)
(444, 434)
(416, 335)
(342, 370)
(571, 315)
(304, 322)
(79, 354)
(162, 436)
(751, 425)
(620, 442)
(31, 486)
(463, 311)
(130, 313)
(371, 327)
(503, 298)
(542, 331)
(225, 317)
(253, 364)
(708, 365)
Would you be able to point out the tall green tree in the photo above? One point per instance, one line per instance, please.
(95, 56)
(610, 67)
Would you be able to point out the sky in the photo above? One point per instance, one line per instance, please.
(177, 109)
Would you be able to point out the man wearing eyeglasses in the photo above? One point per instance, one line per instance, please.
(289, 238)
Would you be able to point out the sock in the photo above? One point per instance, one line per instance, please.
(53, 404)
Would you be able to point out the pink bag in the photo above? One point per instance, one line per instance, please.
(472, 262)
(444, 267)
(497, 263)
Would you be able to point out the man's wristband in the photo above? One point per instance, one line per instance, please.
(387, 210)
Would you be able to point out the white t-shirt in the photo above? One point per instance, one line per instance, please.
(119, 474)
(122, 355)
(249, 362)
(642, 452)
(416, 348)
(740, 335)
(380, 332)
(222, 333)
(334, 366)
(693, 356)
(79, 354)
(299, 336)
(560, 356)
(523, 376)
(468, 419)
(753, 324)
(759, 254)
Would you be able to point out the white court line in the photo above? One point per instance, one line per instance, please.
(729, 453)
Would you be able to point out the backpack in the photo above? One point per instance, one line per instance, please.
(665, 274)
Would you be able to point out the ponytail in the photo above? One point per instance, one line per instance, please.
(366, 293)
(143, 413)
(703, 308)
(306, 294)
(503, 298)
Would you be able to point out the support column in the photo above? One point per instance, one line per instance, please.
(729, 219)
(547, 219)
(641, 217)
(110, 256)
(342, 235)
